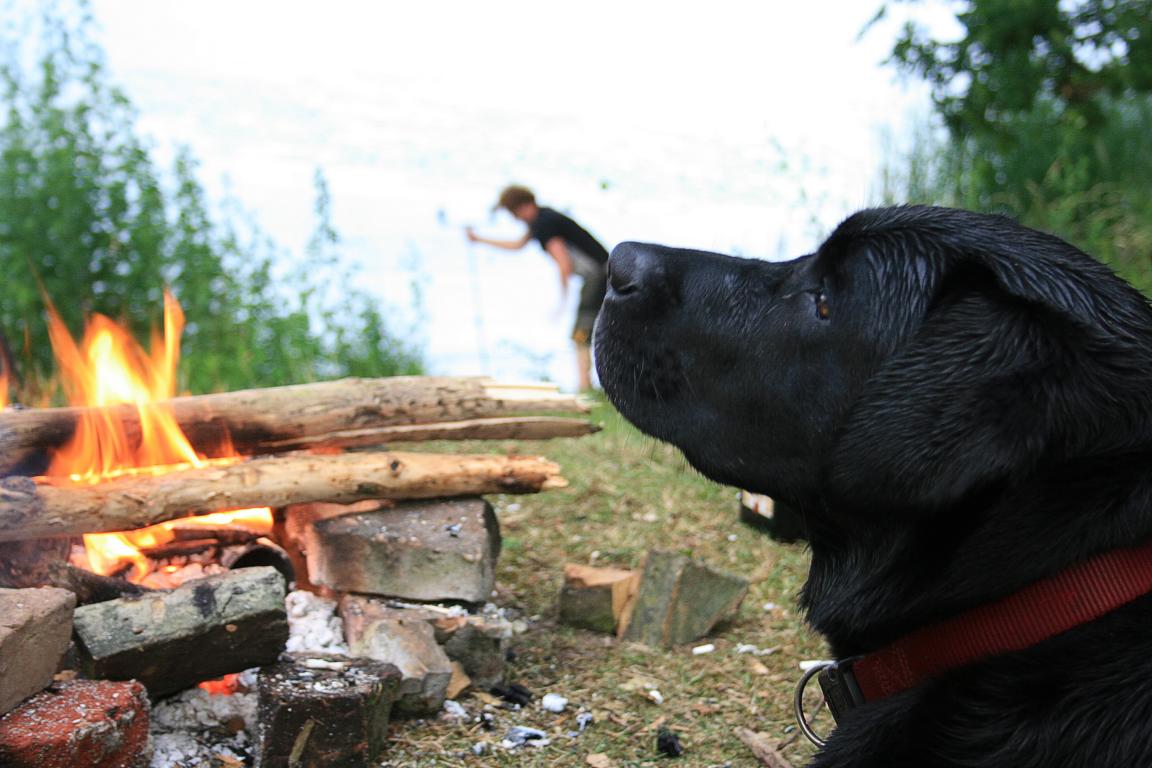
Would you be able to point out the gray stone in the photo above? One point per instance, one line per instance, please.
(679, 600)
(201, 630)
(410, 645)
(418, 550)
(35, 627)
(478, 643)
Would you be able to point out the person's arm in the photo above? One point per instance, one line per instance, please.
(559, 252)
(508, 245)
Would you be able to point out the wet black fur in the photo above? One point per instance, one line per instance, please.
(974, 413)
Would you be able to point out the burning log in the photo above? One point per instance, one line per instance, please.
(35, 510)
(275, 419)
(44, 563)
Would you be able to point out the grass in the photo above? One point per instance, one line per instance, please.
(627, 494)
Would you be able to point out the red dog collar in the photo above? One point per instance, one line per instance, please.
(1041, 610)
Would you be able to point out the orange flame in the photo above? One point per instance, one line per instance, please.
(110, 552)
(3, 388)
(108, 369)
(105, 372)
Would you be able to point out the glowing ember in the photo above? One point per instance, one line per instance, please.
(225, 686)
(107, 371)
(110, 552)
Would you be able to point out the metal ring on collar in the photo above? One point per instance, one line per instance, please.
(798, 701)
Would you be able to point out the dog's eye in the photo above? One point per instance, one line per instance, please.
(823, 311)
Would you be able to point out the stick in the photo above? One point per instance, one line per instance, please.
(34, 510)
(762, 747)
(271, 419)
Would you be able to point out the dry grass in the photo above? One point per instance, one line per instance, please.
(628, 494)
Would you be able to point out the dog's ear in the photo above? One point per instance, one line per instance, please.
(1011, 366)
(957, 409)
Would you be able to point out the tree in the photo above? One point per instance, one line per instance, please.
(87, 220)
(1047, 107)
(1077, 57)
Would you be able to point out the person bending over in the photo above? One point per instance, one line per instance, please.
(573, 249)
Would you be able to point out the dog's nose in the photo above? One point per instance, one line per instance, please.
(632, 269)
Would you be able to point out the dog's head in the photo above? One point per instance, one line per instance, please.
(920, 356)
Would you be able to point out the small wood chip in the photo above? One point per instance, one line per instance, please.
(460, 681)
(599, 760)
(487, 698)
(757, 667)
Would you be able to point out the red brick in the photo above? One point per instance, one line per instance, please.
(81, 724)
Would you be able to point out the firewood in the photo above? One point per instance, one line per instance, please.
(510, 428)
(35, 510)
(44, 563)
(274, 419)
(594, 598)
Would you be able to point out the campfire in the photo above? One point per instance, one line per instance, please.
(177, 524)
(108, 368)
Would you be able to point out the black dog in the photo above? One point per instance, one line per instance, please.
(961, 408)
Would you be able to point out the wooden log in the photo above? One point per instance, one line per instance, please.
(275, 416)
(595, 598)
(511, 428)
(34, 510)
(44, 563)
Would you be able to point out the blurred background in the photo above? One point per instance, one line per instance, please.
(300, 174)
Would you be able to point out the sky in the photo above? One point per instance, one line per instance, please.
(749, 128)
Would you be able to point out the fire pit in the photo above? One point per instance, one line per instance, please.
(177, 526)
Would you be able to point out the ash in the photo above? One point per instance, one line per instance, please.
(313, 624)
(196, 729)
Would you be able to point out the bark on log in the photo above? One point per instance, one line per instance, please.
(511, 428)
(37, 510)
(271, 416)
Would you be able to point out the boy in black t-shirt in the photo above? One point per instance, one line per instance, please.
(574, 251)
